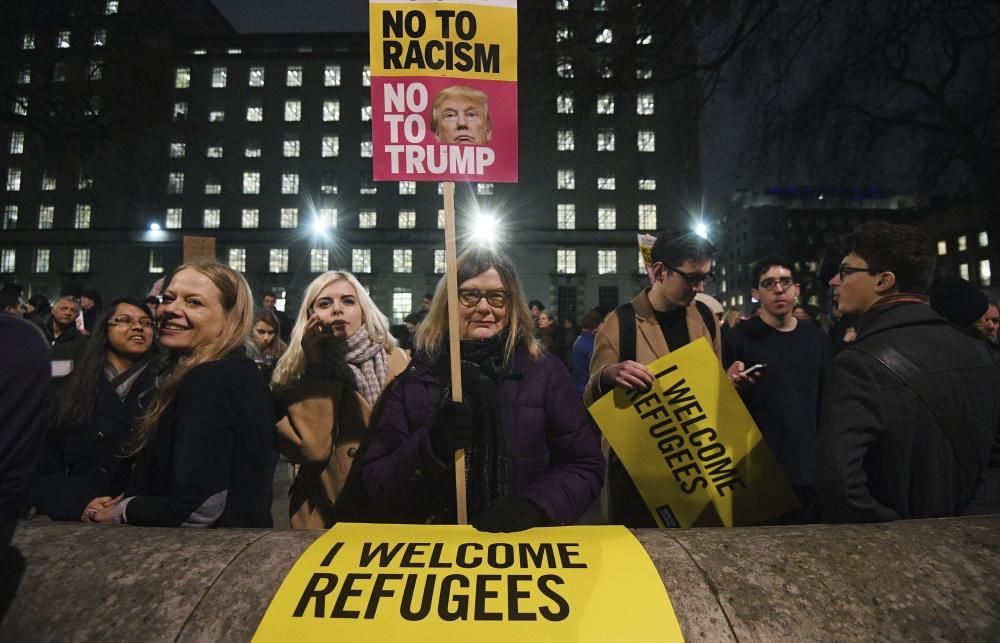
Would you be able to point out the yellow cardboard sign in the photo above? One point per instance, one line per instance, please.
(691, 447)
(452, 583)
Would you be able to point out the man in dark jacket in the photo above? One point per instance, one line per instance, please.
(884, 453)
(65, 341)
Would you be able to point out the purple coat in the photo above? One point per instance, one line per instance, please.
(550, 440)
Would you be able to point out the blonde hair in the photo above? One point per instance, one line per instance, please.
(292, 364)
(432, 334)
(460, 91)
(237, 303)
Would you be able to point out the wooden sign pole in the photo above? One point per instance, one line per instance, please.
(451, 272)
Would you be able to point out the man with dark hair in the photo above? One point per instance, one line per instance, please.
(10, 300)
(910, 410)
(782, 395)
(267, 302)
(661, 318)
(583, 349)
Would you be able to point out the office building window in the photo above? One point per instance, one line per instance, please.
(562, 5)
(177, 150)
(182, 77)
(180, 111)
(16, 142)
(331, 110)
(213, 185)
(219, 77)
(565, 261)
(643, 73)
(564, 67)
(331, 76)
(214, 150)
(237, 259)
(963, 244)
(216, 115)
(319, 259)
(644, 103)
(330, 146)
(46, 216)
(59, 72)
(255, 111)
(605, 103)
(63, 39)
(646, 140)
(366, 76)
(277, 260)
(407, 219)
(251, 183)
(172, 221)
(8, 260)
(48, 180)
(290, 147)
(402, 304)
(27, 41)
(367, 219)
(963, 271)
(250, 218)
(361, 260)
(293, 110)
(110, 7)
(155, 261)
(440, 262)
(366, 149)
(564, 104)
(290, 183)
(328, 183)
(985, 275)
(289, 218)
(81, 216)
(605, 140)
(20, 105)
(484, 189)
(211, 218)
(95, 69)
(366, 113)
(942, 248)
(328, 216)
(10, 217)
(604, 37)
(256, 77)
(100, 38)
(605, 183)
(606, 217)
(566, 216)
(607, 261)
(440, 221)
(24, 75)
(408, 187)
(563, 33)
(564, 140)
(983, 239)
(293, 76)
(605, 68)
(565, 179)
(647, 216)
(81, 260)
(251, 149)
(43, 257)
(647, 184)
(13, 179)
(175, 183)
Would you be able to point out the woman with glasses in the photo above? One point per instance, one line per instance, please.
(328, 384)
(84, 465)
(205, 446)
(532, 455)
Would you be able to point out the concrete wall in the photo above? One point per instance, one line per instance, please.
(917, 580)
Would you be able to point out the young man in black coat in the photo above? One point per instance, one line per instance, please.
(913, 441)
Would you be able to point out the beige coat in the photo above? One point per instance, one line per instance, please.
(323, 429)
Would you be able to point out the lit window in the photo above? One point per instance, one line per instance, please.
(942, 248)
(175, 183)
(13, 179)
(605, 183)
(361, 260)
(564, 104)
(366, 113)
(963, 244)
(81, 217)
(238, 259)
(606, 217)
(604, 37)
(182, 77)
(644, 104)
(110, 7)
(328, 216)
(963, 271)
(155, 261)
(564, 67)
(250, 218)
(331, 76)
(211, 218)
(213, 185)
(564, 140)
(95, 69)
(402, 304)
(646, 140)
(985, 277)
(24, 75)
(27, 41)
(59, 72)
(983, 239)
(407, 219)
(366, 76)
(607, 262)
(43, 257)
(9, 217)
(251, 149)
(100, 37)
(177, 150)
(565, 261)
(8, 260)
(93, 106)
(293, 76)
(290, 183)
(600, 5)
(63, 39)
(366, 219)
(606, 104)
(440, 263)
(173, 218)
(566, 216)
(565, 179)
(331, 110)
(643, 73)
(407, 187)
(84, 181)
(219, 77)
(214, 150)
(331, 146)
(366, 149)
(46, 216)
(81, 260)
(290, 148)
(289, 218)
(605, 69)
(277, 260)
(293, 110)
(20, 105)
(484, 189)
(180, 111)
(647, 216)
(647, 184)
(256, 77)
(562, 5)
(319, 259)
(643, 38)
(255, 111)
(563, 33)
(328, 183)
(605, 140)
(440, 221)
(48, 180)
(251, 183)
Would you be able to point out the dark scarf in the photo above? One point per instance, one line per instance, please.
(487, 468)
(887, 302)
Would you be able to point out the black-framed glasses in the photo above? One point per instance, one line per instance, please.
(846, 270)
(470, 297)
(771, 284)
(128, 322)
(694, 278)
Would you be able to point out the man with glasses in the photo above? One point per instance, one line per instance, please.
(783, 396)
(664, 317)
(910, 410)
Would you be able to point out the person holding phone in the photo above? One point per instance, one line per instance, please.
(776, 362)
(328, 385)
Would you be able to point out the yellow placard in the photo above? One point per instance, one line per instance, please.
(364, 582)
(692, 448)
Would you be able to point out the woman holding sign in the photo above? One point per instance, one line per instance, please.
(532, 455)
(341, 357)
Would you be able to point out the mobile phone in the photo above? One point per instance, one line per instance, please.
(753, 369)
(325, 329)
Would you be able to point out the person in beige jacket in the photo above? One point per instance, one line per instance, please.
(328, 384)
(667, 317)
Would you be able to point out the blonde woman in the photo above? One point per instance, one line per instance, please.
(206, 443)
(328, 383)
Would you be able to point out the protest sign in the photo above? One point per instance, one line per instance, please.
(453, 583)
(691, 447)
(444, 90)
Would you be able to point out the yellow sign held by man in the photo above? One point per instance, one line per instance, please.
(692, 448)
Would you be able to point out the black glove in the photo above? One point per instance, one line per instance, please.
(512, 513)
(455, 427)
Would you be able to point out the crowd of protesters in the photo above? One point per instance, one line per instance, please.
(173, 414)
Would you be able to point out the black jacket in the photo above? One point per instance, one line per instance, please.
(882, 454)
(68, 345)
(88, 461)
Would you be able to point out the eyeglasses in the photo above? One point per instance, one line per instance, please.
(128, 322)
(771, 284)
(846, 270)
(470, 297)
(694, 278)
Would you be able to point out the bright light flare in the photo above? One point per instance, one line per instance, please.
(319, 226)
(485, 228)
(154, 227)
(701, 229)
